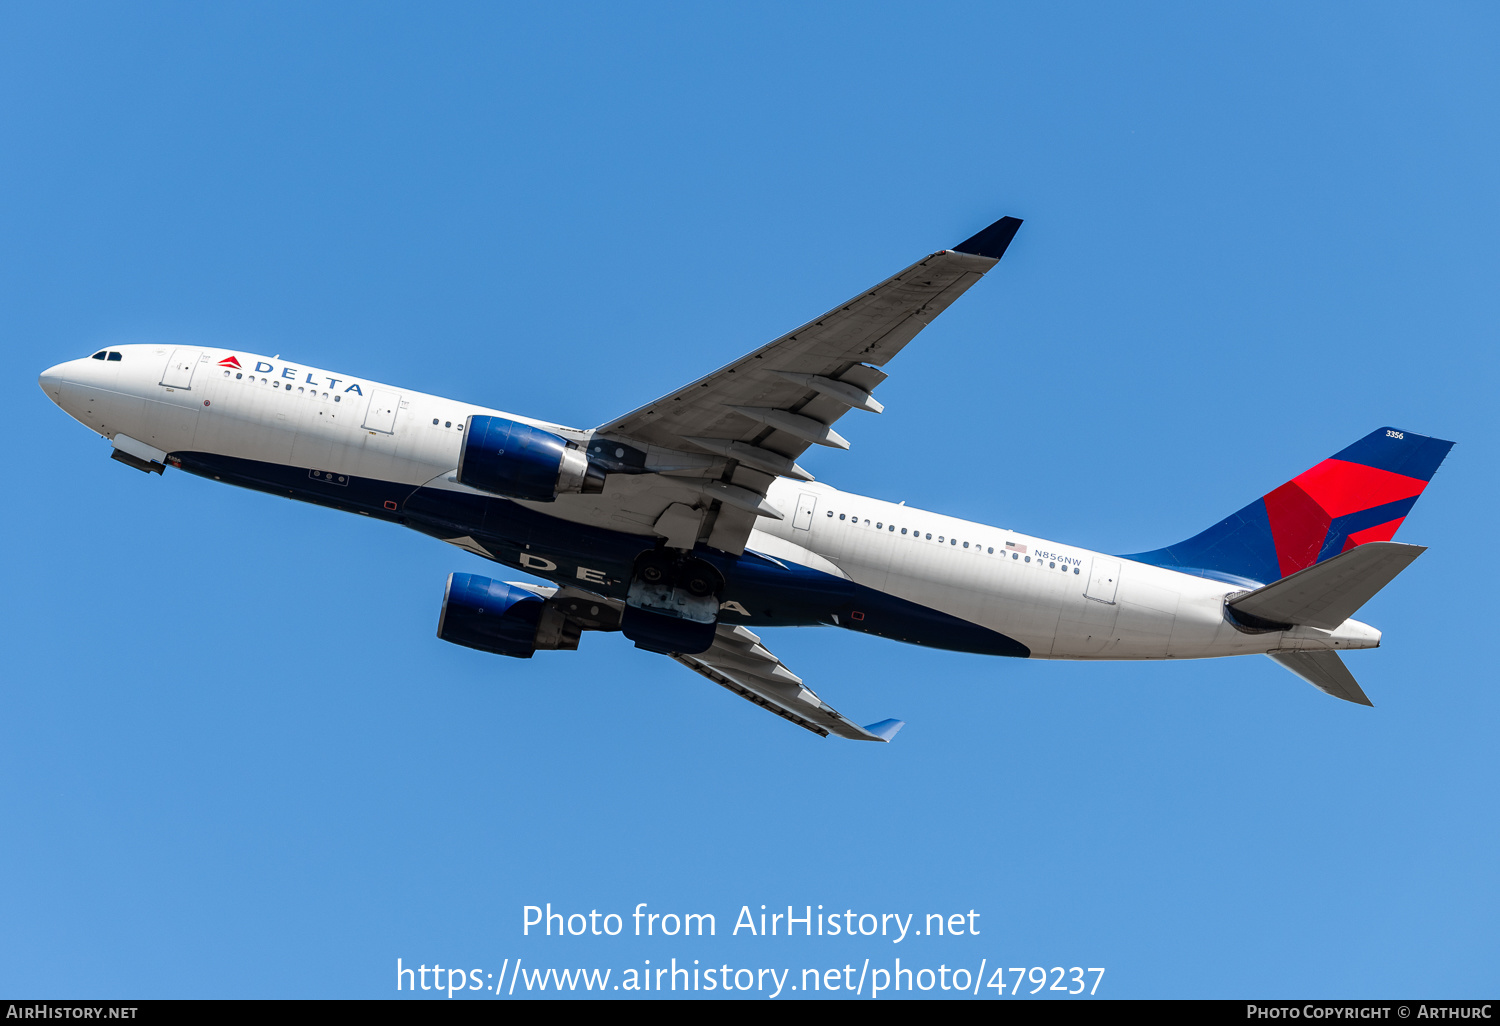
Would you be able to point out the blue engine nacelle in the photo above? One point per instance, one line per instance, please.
(506, 457)
(493, 616)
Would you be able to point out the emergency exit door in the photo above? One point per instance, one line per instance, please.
(180, 367)
(1104, 580)
(381, 416)
(806, 503)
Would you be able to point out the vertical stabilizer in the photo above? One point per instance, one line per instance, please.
(1360, 494)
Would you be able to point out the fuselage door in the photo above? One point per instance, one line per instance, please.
(806, 503)
(1104, 580)
(180, 367)
(381, 416)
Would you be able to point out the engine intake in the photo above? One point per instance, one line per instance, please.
(519, 461)
(493, 616)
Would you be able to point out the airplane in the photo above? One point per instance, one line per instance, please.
(687, 525)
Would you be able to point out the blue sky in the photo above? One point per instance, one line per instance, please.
(238, 762)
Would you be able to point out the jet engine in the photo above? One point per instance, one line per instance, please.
(493, 616)
(506, 457)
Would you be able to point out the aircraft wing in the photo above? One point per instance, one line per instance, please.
(761, 412)
(738, 662)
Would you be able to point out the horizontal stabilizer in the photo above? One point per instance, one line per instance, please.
(1325, 671)
(1328, 593)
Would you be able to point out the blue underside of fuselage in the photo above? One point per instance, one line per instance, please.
(773, 593)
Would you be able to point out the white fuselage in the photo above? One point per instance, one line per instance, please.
(1060, 601)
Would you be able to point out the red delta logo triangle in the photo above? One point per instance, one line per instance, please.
(230, 362)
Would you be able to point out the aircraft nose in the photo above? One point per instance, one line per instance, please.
(52, 380)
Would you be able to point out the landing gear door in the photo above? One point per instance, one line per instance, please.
(180, 367)
(806, 503)
(1104, 580)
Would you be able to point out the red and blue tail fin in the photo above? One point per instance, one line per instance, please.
(1360, 494)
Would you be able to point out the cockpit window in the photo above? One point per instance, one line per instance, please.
(99, 355)
(114, 356)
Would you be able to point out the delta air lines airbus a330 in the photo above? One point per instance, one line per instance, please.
(687, 524)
